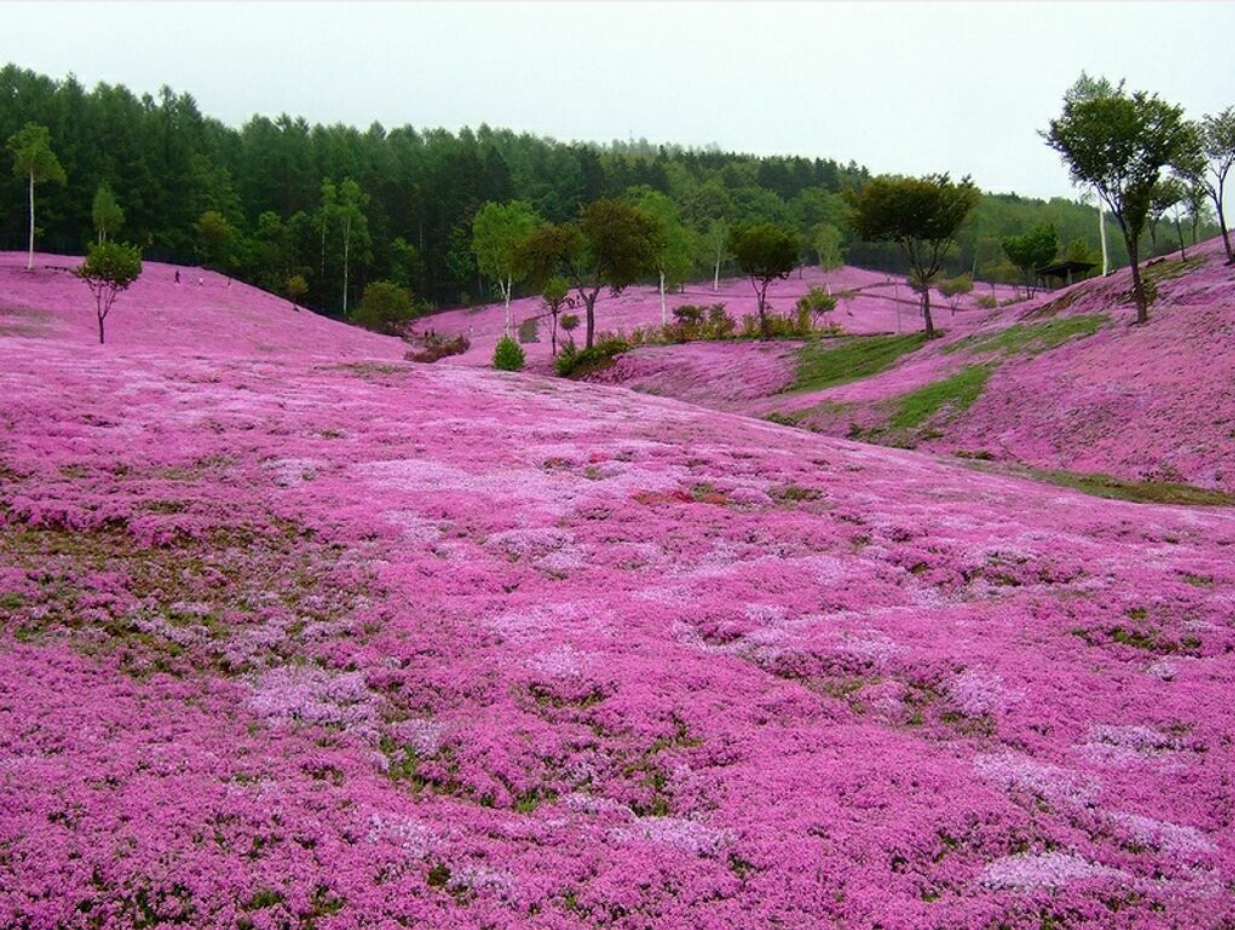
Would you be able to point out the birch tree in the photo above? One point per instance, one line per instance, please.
(497, 231)
(34, 160)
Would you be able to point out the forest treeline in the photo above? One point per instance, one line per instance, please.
(341, 207)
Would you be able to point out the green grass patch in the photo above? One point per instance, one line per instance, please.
(1168, 270)
(1138, 492)
(833, 362)
(957, 392)
(1112, 488)
(1033, 338)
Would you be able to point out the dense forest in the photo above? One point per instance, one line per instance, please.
(343, 207)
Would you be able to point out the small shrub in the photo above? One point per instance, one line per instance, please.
(508, 355)
(987, 301)
(816, 301)
(575, 363)
(435, 347)
(529, 330)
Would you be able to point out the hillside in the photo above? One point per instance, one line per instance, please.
(298, 634)
(1059, 382)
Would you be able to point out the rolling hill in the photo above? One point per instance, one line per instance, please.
(299, 634)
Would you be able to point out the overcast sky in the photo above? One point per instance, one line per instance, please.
(909, 88)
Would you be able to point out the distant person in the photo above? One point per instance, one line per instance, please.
(177, 275)
(201, 282)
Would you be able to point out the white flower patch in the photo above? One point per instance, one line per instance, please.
(1168, 837)
(528, 543)
(1052, 870)
(562, 662)
(1049, 782)
(975, 692)
(679, 833)
(312, 696)
(408, 833)
(423, 736)
(1112, 745)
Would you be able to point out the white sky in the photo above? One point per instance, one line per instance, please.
(909, 88)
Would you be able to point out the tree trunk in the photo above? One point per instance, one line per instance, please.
(664, 310)
(1138, 289)
(589, 303)
(1106, 265)
(716, 279)
(30, 260)
(926, 313)
(764, 335)
(1226, 236)
(347, 241)
(100, 329)
(505, 288)
(1179, 228)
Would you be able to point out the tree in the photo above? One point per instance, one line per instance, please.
(953, 289)
(385, 308)
(828, 245)
(716, 240)
(508, 355)
(1031, 251)
(1087, 88)
(1120, 144)
(106, 213)
(34, 160)
(921, 215)
(673, 245)
(766, 252)
(109, 268)
(1167, 194)
(1215, 138)
(554, 296)
(215, 236)
(350, 215)
(613, 245)
(497, 231)
(297, 287)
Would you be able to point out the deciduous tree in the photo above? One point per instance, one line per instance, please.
(109, 268)
(613, 245)
(1215, 139)
(1031, 251)
(106, 213)
(1119, 144)
(766, 252)
(921, 215)
(497, 231)
(34, 160)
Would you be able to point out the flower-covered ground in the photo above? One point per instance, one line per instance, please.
(1069, 383)
(298, 634)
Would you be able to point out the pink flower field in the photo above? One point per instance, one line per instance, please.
(297, 634)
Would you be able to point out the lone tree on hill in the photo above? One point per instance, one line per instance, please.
(613, 245)
(109, 268)
(1119, 144)
(34, 160)
(766, 252)
(921, 215)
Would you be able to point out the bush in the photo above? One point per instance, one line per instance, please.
(529, 330)
(572, 362)
(435, 347)
(987, 301)
(816, 300)
(508, 355)
(385, 308)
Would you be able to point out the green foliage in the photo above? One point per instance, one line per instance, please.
(956, 393)
(953, 289)
(816, 301)
(529, 330)
(1031, 251)
(827, 243)
(922, 216)
(215, 236)
(765, 253)
(1119, 144)
(109, 268)
(497, 231)
(34, 160)
(577, 363)
(385, 308)
(106, 213)
(674, 248)
(694, 322)
(297, 287)
(829, 363)
(570, 322)
(508, 355)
